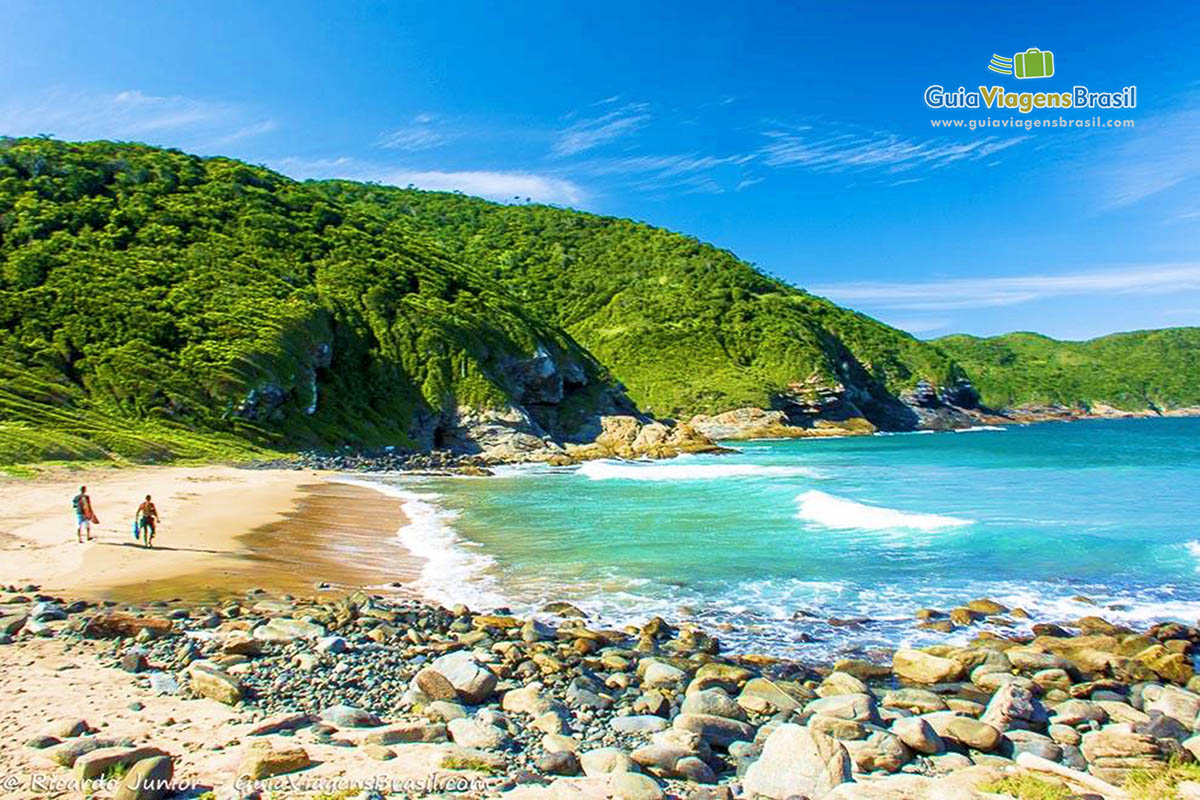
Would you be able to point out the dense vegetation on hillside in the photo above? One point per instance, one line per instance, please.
(155, 304)
(1132, 371)
(687, 327)
(145, 294)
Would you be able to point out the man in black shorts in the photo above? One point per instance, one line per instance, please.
(147, 516)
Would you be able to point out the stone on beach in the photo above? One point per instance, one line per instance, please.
(1114, 751)
(148, 779)
(216, 685)
(407, 733)
(283, 630)
(473, 682)
(606, 760)
(66, 728)
(720, 731)
(67, 753)
(921, 667)
(344, 716)
(280, 722)
(476, 733)
(1013, 706)
(97, 762)
(262, 760)
(855, 707)
(433, 685)
(660, 673)
(919, 701)
(970, 732)
(919, 735)
(713, 701)
(559, 762)
(881, 750)
(774, 694)
(642, 723)
(114, 624)
(1179, 704)
(796, 762)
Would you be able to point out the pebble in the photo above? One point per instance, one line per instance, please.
(538, 702)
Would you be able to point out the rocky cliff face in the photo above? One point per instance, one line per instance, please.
(820, 408)
(758, 423)
(558, 415)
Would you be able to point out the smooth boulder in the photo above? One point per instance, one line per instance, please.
(797, 762)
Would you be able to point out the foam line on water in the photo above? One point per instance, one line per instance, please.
(841, 513)
(658, 471)
(451, 573)
(977, 428)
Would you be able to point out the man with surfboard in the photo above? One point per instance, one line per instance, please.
(147, 520)
(84, 514)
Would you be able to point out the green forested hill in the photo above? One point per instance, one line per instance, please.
(155, 304)
(147, 294)
(687, 327)
(1131, 371)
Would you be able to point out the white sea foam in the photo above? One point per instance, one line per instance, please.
(660, 471)
(838, 512)
(451, 573)
(1193, 547)
(977, 428)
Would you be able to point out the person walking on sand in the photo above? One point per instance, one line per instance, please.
(147, 518)
(84, 515)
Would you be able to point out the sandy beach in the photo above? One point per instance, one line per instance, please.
(304, 689)
(223, 531)
(208, 739)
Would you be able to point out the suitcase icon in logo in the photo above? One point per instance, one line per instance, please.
(1033, 63)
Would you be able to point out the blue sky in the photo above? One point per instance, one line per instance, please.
(794, 135)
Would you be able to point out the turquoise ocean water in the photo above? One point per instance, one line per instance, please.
(770, 543)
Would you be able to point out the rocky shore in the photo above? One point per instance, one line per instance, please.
(631, 437)
(616, 436)
(350, 688)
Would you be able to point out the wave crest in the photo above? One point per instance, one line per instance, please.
(838, 512)
(609, 470)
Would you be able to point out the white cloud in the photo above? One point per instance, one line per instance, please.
(689, 172)
(661, 165)
(494, 185)
(589, 133)
(840, 150)
(424, 132)
(173, 121)
(247, 132)
(1163, 152)
(962, 293)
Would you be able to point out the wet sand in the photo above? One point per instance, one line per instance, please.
(223, 531)
(337, 537)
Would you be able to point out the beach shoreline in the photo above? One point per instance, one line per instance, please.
(223, 531)
(249, 649)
